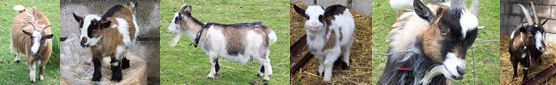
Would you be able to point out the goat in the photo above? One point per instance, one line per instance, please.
(32, 36)
(330, 33)
(527, 43)
(109, 35)
(240, 42)
(430, 42)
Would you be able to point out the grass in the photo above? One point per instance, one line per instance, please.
(482, 58)
(18, 73)
(185, 64)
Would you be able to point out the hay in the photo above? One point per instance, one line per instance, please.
(506, 69)
(359, 72)
(77, 68)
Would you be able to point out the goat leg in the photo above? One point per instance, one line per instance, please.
(116, 69)
(261, 71)
(125, 63)
(514, 64)
(96, 74)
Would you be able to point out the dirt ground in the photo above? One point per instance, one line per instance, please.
(506, 69)
(359, 72)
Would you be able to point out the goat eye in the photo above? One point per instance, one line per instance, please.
(321, 18)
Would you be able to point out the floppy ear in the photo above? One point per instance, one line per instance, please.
(27, 33)
(423, 11)
(77, 17)
(49, 36)
(300, 11)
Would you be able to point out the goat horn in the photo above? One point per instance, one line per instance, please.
(186, 5)
(527, 16)
(535, 13)
(475, 7)
(46, 27)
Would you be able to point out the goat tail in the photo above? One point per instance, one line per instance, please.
(272, 37)
(19, 8)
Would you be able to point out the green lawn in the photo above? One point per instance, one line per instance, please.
(14, 73)
(482, 59)
(185, 64)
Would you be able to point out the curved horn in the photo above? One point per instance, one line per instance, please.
(535, 13)
(33, 25)
(185, 7)
(474, 7)
(527, 16)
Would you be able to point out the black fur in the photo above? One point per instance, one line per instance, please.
(116, 70)
(125, 63)
(96, 74)
(112, 11)
(423, 11)
(217, 66)
(261, 69)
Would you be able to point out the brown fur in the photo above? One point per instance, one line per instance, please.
(21, 42)
(431, 37)
(331, 41)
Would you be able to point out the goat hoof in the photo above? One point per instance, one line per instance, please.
(210, 78)
(125, 63)
(17, 61)
(265, 82)
(117, 79)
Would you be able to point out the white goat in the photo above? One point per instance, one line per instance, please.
(241, 42)
(330, 35)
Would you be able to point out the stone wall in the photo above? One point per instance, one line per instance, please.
(361, 6)
(511, 14)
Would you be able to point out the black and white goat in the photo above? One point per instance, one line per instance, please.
(527, 43)
(109, 35)
(241, 42)
(330, 33)
(430, 42)
(32, 36)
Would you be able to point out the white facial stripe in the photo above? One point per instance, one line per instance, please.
(468, 22)
(36, 41)
(452, 62)
(538, 39)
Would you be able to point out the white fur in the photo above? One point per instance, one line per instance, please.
(451, 63)
(538, 40)
(468, 22)
(272, 37)
(435, 71)
(19, 8)
(313, 23)
(37, 36)
(32, 72)
(137, 28)
(123, 29)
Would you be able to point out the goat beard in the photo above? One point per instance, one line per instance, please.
(175, 40)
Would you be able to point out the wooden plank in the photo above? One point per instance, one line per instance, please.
(299, 55)
(543, 76)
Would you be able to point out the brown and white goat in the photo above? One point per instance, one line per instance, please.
(430, 42)
(330, 33)
(109, 35)
(241, 42)
(527, 43)
(32, 36)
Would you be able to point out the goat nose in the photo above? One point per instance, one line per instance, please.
(83, 41)
(461, 71)
(314, 24)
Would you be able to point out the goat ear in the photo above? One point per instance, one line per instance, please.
(300, 11)
(27, 33)
(423, 11)
(77, 17)
(105, 23)
(49, 36)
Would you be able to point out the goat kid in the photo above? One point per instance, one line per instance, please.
(32, 36)
(330, 33)
(109, 35)
(527, 43)
(430, 42)
(241, 42)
